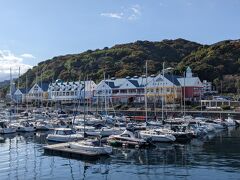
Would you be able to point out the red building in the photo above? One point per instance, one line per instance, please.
(191, 86)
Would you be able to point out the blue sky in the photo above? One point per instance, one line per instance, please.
(33, 31)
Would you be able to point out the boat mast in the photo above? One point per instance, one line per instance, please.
(10, 84)
(146, 111)
(41, 101)
(10, 92)
(18, 87)
(84, 107)
(26, 95)
(87, 97)
(105, 94)
(154, 101)
(163, 90)
(184, 108)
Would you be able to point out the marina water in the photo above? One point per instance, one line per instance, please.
(215, 156)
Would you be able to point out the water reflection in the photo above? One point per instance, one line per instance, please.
(216, 155)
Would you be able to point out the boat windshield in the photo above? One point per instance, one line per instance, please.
(68, 132)
(64, 132)
(125, 135)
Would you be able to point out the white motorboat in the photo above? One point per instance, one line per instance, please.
(89, 120)
(64, 135)
(229, 122)
(182, 135)
(107, 131)
(5, 128)
(157, 136)
(104, 131)
(43, 125)
(24, 126)
(89, 130)
(126, 138)
(154, 123)
(216, 124)
(91, 146)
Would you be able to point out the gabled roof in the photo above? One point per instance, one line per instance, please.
(43, 86)
(134, 82)
(24, 90)
(190, 82)
(173, 79)
(111, 84)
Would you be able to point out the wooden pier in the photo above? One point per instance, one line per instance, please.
(63, 149)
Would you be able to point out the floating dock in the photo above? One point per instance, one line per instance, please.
(64, 150)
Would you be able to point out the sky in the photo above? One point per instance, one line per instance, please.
(34, 31)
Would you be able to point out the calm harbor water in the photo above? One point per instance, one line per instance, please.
(214, 157)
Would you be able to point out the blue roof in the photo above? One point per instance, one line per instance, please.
(111, 84)
(134, 82)
(43, 86)
(173, 79)
(24, 90)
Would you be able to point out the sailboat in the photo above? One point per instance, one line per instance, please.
(152, 134)
(90, 146)
(156, 122)
(5, 127)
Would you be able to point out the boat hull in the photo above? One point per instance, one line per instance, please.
(100, 150)
(7, 130)
(63, 138)
(157, 138)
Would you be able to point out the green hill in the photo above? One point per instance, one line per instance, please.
(217, 62)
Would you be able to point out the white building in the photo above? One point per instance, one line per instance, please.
(68, 91)
(133, 89)
(120, 89)
(39, 92)
(207, 87)
(166, 88)
(20, 95)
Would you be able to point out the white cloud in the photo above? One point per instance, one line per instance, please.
(135, 12)
(9, 60)
(130, 13)
(27, 55)
(136, 9)
(113, 15)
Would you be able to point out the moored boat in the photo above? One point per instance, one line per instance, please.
(127, 138)
(92, 146)
(64, 135)
(157, 136)
(5, 128)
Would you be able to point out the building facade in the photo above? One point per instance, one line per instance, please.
(39, 92)
(191, 86)
(70, 91)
